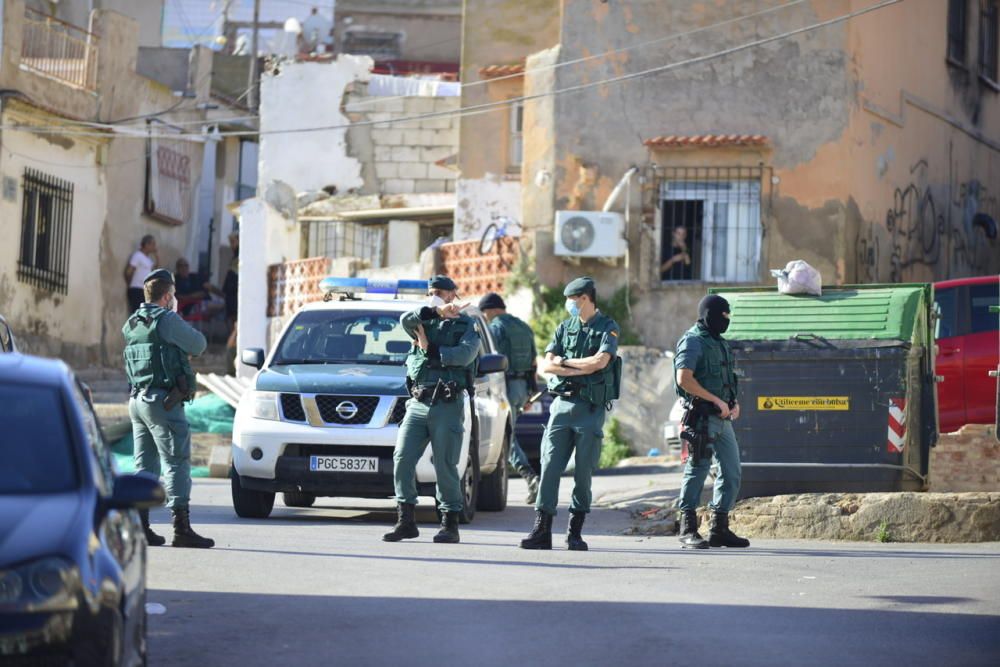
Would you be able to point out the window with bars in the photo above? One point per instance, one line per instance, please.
(710, 228)
(989, 38)
(46, 231)
(957, 30)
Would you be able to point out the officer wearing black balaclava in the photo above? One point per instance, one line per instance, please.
(706, 380)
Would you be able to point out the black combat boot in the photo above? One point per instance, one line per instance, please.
(184, 536)
(406, 525)
(152, 539)
(532, 479)
(719, 534)
(573, 538)
(690, 539)
(449, 528)
(540, 536)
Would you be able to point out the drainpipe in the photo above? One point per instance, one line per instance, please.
(626, 184)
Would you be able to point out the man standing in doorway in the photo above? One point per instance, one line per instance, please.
(582, 358)
(157, 345)
(140, 264)
(516, 341)
(440, 370)
(706, 379)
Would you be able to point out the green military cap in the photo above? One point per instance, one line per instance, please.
(583, 285)
(442, 282)
(160, 274)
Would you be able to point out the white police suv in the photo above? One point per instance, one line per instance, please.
(323, 411)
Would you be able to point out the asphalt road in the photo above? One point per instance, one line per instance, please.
(319, 587)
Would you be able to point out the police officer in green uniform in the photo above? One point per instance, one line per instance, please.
(582, 358)
(440, 370)
(516, 341)
(157, 345)
(706, 379)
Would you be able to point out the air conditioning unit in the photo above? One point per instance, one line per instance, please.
(590, 234)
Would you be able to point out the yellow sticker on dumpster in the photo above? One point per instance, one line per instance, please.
(803, 403)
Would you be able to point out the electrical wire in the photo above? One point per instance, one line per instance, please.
(507, 103)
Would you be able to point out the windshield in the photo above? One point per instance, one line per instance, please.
(344, 337)
(35, 447)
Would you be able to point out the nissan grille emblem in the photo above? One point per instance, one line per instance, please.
(347, 410)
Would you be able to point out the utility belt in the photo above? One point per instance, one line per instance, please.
(181, 392)
(432, 393)
(525, 375)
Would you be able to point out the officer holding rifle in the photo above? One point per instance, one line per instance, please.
(706, 380)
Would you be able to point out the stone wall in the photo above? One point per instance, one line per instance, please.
(646, 398)
(401, 157)
(968, 460)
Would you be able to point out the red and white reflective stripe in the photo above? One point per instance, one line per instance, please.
(897, 425)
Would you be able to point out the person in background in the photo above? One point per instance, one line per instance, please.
(192, 287)
(140, 264)
(516, 341)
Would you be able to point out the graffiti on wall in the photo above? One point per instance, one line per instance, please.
(931, 233)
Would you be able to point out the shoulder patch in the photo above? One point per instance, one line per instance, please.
(614, 333)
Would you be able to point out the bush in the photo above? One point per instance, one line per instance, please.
(615, 448)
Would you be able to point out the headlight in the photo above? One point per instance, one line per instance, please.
(39, 583)
(265, 405)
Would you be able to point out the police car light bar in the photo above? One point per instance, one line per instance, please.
(372, 286)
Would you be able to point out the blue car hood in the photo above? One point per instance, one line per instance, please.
(32, 526)
(356, 379)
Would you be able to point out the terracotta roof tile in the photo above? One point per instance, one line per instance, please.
(706, 141)
(497, 71)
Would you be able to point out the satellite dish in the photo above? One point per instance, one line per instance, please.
(577, 233)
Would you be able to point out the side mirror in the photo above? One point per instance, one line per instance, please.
(253, 356)
(492, 363)
(137, 491)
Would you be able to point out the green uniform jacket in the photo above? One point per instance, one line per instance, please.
(515, 341)
(575, 339)
(451, 354)
(157, 345)
(711, 359)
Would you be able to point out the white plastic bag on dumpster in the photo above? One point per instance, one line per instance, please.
(798, 278)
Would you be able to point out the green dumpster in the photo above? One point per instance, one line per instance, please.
(836, 392)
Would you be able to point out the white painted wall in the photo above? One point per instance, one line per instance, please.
(403, 243)
(307, 95)
(44, 320)
(479, 199)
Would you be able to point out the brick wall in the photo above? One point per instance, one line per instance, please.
(968, 460)
(404, 154)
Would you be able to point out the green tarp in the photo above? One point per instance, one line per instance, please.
(206, 414)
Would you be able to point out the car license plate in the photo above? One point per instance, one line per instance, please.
(343, 463)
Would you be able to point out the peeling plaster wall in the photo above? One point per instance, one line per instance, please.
(67, 326)
(478, 200)
(881, 157)
(496, 32)
(304, 95)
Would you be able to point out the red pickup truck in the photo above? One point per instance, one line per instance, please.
(968, 343)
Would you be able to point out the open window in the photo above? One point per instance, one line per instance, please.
(710, 228)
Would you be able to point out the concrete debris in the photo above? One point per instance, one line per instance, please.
(896, 517)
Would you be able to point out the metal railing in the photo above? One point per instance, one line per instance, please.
(60, 50)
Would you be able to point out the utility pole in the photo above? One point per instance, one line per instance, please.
(252, 84)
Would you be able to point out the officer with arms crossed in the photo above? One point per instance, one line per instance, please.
(516, 341)
(440, 369)
(706, 379)
(157, 345)
(583, 359)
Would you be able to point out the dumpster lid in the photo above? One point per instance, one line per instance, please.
(849, 312)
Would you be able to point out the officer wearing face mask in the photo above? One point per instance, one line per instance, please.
(706, 379)
(582, 360)
(157, 345)
(440, 369)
